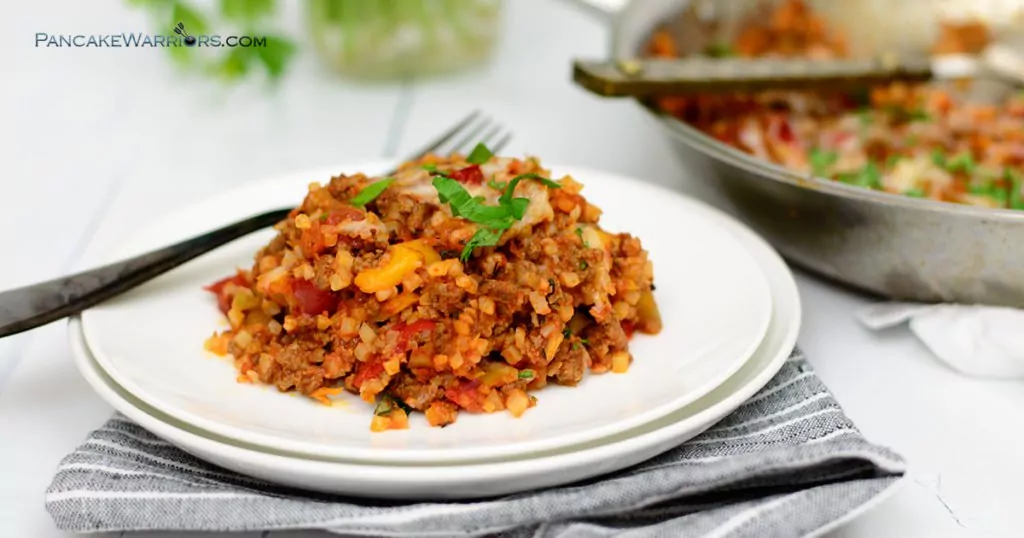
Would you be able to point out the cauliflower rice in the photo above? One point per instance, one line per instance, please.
(377, 293)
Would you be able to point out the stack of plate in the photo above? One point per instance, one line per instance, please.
(731, 315)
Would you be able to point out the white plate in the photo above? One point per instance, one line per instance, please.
(714, 300)
(497, 478)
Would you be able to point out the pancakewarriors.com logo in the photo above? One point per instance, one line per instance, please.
(180, 38)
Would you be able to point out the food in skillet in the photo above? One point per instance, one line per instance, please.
(915, 140)
(460, 283)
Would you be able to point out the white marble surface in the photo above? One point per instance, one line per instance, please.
(94, 141)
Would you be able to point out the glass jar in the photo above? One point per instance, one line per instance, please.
(390, 39)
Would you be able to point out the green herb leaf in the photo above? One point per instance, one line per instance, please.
(868, 177)
(518, 207)
(1016, 189)
(537, 177)
(497, 185)
(480, 154)
(451, 192)
(939, 157)
(919, 115)
(235, 64)
(865, 116)
(526, 374)
(821, 161)
(389, 403)
(193, 22)
(484, 237)
(246, 10)
(579, 232)
(720, 50)
(493, 219)
(371, 192)
(566, 332)
(961, 163)
(916, 192)
(430, 167)
(384, 406)
(275, 55)
(892, 160)
(584, 265)
(584, 341)
(980, 189)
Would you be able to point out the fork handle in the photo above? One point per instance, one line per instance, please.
(25, 308)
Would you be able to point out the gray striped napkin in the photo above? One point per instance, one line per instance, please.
(787, 463)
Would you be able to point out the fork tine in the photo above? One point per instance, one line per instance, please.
(488, 138)
(471, 138)
(501, 143)
(446, 136)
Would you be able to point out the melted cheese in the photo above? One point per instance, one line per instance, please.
(418, 184)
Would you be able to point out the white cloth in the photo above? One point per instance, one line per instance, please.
(978, 341)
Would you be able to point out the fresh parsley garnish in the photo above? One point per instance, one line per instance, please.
(430, 167)
(479, 155)
(1015, 185)
(526, 374)
(579, 232)
(865, 116)
(903, 115)
(484, 237)
(916, 192)
(821, 160)
(719, 50)
(323, 217)
(537, 177)
(584, 265)
(494, 220)
(566, 332)
(389, 403)
(919, 115)
(961, 163)
(868, 177)
(938, 157)
(371, 192)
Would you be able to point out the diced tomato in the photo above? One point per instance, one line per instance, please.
(367, 370)
(470, 174)
(344, 213)
(629, 328)
(407, 332)
(217, 288)
(780, 129)
(311, 299)
(466, 395)
(312, 240)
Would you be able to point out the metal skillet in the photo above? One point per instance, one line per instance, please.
(894, 246)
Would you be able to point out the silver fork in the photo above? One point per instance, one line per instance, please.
(25, 308)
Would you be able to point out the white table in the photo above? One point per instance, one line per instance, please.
(96, 140)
